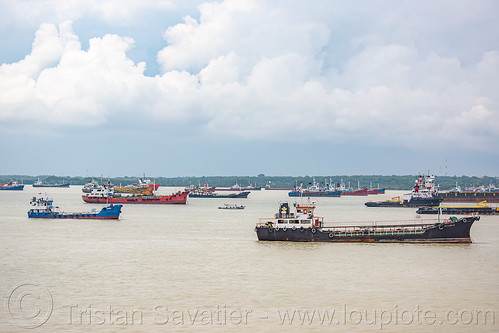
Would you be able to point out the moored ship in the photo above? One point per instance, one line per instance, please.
(93, 185)
(465, 196)
(424, 193)
(204, 188)
(303, 226)
(352, 191)
(315, 189)
(237, 187)
(108, 196)
(231, 206)
(39, 183)
(393, 202)
(307, 193)
(204, 194)
(481, 208)
(376, 191)
(269, 187)
(358, 192)
(12, 186)
(44, 208)
(143, 187)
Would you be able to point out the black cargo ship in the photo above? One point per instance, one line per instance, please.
(303, 226)
(424, 194)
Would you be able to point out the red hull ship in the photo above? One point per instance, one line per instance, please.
(362, 191)
(177, 198)
(376, 191)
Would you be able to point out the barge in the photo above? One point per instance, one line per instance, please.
(481, 208)
(457, 196)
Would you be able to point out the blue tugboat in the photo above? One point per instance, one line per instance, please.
(44, 208)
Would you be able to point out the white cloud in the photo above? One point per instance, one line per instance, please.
(223, 69)
(252, 70)
(249, 29)
(60, 10)
(80, 89)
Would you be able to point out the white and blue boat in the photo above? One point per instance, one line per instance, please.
(39, 183)
(315, 190)
(44, 208)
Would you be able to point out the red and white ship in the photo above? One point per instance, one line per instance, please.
(103, 195)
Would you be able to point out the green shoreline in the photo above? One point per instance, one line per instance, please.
(394, 182)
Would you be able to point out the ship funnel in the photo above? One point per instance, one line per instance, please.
(284, 208)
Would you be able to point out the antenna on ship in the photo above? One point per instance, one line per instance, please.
(439, 211)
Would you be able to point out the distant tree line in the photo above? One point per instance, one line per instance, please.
(389, 182)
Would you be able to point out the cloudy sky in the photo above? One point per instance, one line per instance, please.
(242, 87)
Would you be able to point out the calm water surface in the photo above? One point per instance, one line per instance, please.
(197, 268)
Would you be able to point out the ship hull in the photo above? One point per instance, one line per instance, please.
(179, 198)
(12, 188)
(458, 210)
(376, 191)
(384, 204)
(278, 189)
(215, 195)
(314, 194)
(107, 213)
(74, 216)
(413, 202)
(455, 232)
(226, 189)
(58, 185)
(422, 202)
(361, 192)
(491, 197)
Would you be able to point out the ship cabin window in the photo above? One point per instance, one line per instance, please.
(280, 221)
(305, 221)
(298, 210)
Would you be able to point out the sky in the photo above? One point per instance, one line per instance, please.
(246, 87)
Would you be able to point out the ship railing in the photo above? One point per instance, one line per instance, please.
(289, 221)
(377, 228)
(368, 227)
(386, 226)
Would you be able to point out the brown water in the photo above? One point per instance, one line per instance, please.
(197, 268)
